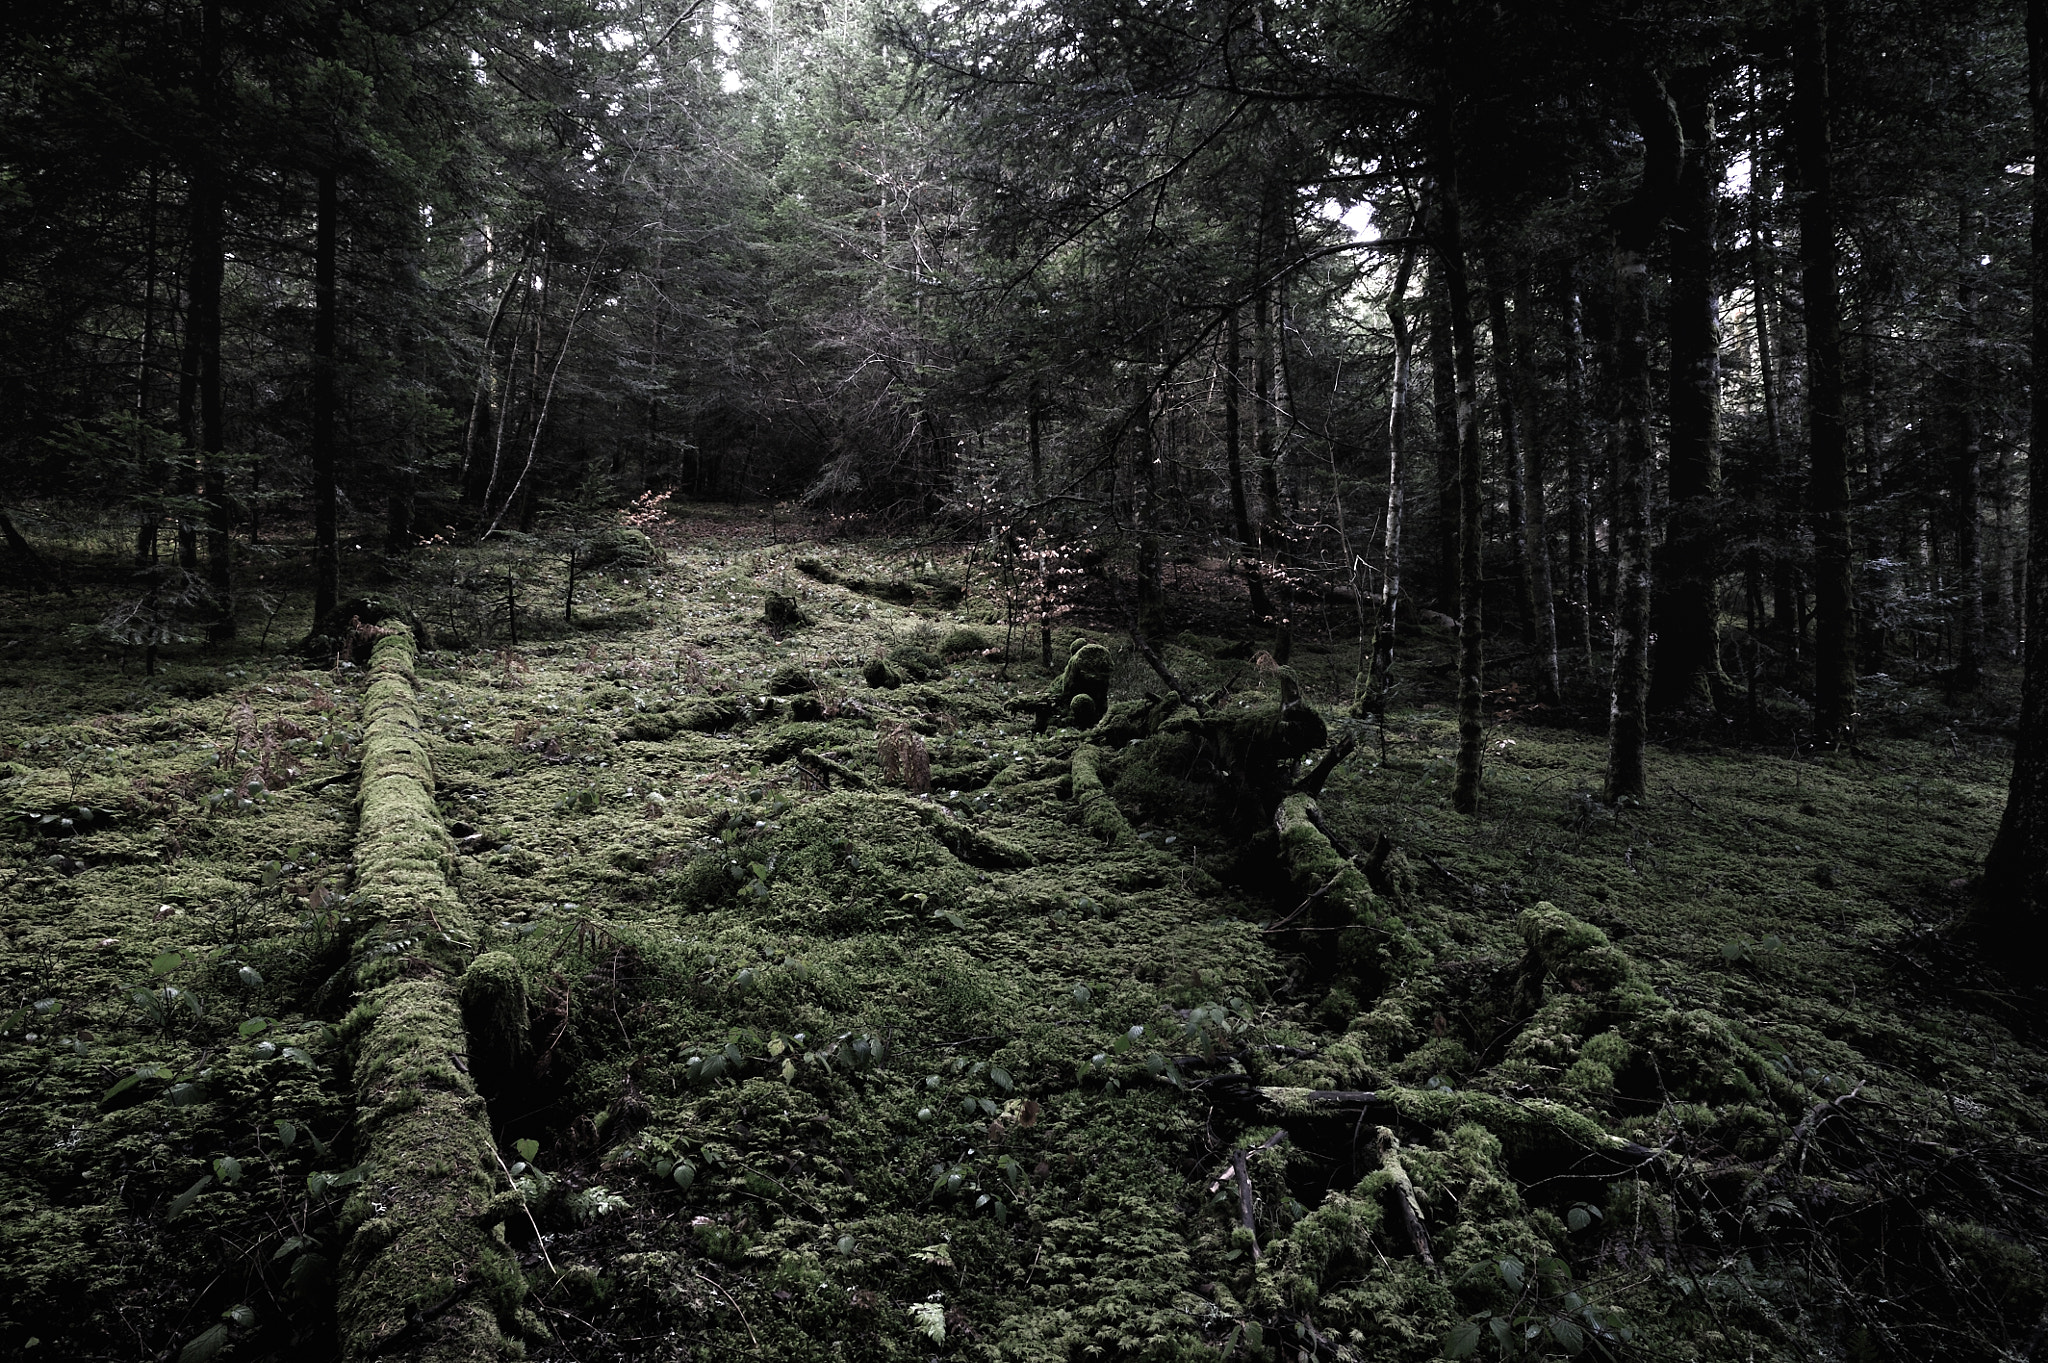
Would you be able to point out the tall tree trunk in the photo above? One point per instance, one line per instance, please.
(1636, 227)
(1969, 460)
(1397, 458)
(1535, 503)
(326, 541)
(1265, 445)
(1686, 614)
(150, 475)
(1834, 596)
(1774, 521)
(1578, 456)
(2016, 872)
(1450, 251)
(1443, 407)
(1233, 450)
(208, 263)
(1514, 421)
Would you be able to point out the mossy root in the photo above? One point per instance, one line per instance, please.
(420, 1271)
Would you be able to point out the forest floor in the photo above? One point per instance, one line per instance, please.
(813, 1064)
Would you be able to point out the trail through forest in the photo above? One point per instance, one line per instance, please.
(776, 960)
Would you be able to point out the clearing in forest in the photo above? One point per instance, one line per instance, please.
(776, 960)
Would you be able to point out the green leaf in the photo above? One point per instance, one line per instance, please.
(287, 1132)
(228, 1170)
(122, 1085)
(529, 1149)
(290, 1247)
(1578, 1218)
(253, 1026)
(185, 1095)
(205, 1345)
(300, 1054)
(1463, 1341)
(1081, 995)
(1255, 1335)
(164, 965)
(189, 1196)
(248, 976)
(1001, 1077)
(685, 1174)
(1569, 1337)
(240, 1315)
(1512, 1273)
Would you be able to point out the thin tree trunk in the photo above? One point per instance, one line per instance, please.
(2016, 872)
(147, 468)
(1686, 614)
(1443, 402)
(1636, 229)
(1535, 503)
(326, 537)
(1578, 465)
(1450, 250)
(1834, 597)
(1774, 520)
(1513, 423)
(1969, 463)
(208, 263)
(1397, 442)
(1233, 449)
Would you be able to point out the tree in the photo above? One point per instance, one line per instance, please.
(2016, 871)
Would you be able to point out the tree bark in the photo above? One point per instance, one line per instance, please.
(1635, 231)
(326, 538)
(208, 264)
(2016, 872)
(1450, 250)
(1233, 451)
(1578, 454)
(1507, 395)
(1535, 505)
(1397, 458)
(1443, 388)
(1969, 460)
(1686, 671)
(1834, 597)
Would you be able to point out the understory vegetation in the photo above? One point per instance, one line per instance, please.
(839, 980)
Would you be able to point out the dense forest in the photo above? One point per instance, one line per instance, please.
(1091, 679)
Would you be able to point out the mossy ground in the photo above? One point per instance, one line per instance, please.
(842, 1072)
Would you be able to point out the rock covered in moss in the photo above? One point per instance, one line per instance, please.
(783, 612)
(791, 680)
(620, 547)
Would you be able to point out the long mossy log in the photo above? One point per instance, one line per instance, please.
(423, 1269)
(1099, 814)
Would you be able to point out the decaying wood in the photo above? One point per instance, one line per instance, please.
(1405, 1200)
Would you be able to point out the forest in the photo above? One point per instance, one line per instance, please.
(1029, 681)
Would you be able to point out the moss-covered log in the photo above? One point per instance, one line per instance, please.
(420, 1271)
(1099, 814)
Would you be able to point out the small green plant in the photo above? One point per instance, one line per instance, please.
(1544, 1314)
(583, 799)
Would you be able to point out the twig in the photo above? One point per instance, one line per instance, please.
(538, 1238)
(1443, 870)
(735, 1306)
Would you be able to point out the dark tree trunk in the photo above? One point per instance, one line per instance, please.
(1969, 461)
(1636, 226)
(1514, 422)
(2016, 872)
(1535, 504)
(326, 545)
(1397, 458)
(1450, 253)
(1578, 456)
(1233, 451)
(208, 229)
(1774, 516)
(1443, 389)
(1687, 663)
(1834, 596)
